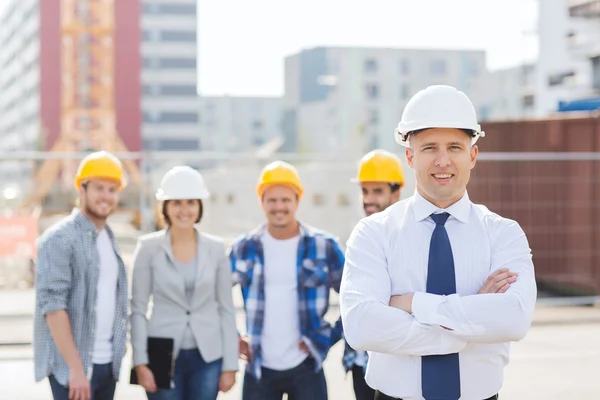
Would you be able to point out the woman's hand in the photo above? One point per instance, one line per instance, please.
(226, 381)
(146, 378)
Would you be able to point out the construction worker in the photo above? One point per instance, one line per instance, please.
(81, 290)
(435, 286)
(381, 178)
(187, 274)
(285, 269)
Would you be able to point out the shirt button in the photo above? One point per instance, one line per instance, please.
(187, 312)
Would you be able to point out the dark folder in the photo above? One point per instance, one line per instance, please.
(160, 362)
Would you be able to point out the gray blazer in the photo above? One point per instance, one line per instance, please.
(211, 312)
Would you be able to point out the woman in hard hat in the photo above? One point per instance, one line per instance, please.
(189, 278)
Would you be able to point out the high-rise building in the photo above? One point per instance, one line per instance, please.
(169, 75)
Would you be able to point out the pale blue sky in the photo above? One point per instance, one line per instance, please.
(242, 43)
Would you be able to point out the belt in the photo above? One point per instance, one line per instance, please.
(383, 396)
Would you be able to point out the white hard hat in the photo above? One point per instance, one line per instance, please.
(438, 106)
(182, 183)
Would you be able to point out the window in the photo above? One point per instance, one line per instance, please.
(560, 79)
(343, 200)
(473, 68)
(438, 67)
(170, 90)
(169, 36)
(169, 8)
(404, 67)
(373, 117)
(372, 90)
(178, 144)
(370, 65)
(172, 144)
(596, 72)
(318, 200)
(528, 100)
(178, 36)
(174, 63)
(404, 91)
(171, 117)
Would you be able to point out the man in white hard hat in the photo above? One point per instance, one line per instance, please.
(436, 287)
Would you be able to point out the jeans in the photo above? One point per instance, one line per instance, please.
(194, 378)
(300, 383)
(103, 384)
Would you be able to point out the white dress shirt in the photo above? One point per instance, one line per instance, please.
(387, 254)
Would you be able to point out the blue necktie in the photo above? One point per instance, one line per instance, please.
(440, 374)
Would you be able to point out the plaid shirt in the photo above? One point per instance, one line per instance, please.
(349, 357)
(319, 266)
(66, 277)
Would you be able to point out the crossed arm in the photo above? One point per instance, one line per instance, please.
(421, 324)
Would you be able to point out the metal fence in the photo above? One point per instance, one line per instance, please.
(551, 187)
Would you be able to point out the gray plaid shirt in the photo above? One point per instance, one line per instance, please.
(66, 277)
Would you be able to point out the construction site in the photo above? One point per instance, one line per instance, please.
(542, 172)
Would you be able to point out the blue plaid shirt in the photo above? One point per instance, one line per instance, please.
(349, 358)
(66, 279)
(320, 264)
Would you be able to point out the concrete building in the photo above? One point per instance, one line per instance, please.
(169, 75)
(511, 93)
(569, 53)
(351, 99)
(234, 124)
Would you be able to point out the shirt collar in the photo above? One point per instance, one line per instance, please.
(459, 210)
(88, 225)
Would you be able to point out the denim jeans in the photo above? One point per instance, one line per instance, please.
(103, 384)
(194, 379)
(300, 383)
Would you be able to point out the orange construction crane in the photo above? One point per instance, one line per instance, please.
(88, 107)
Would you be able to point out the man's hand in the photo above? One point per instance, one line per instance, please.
(499, 281)
(79, 386)
(402, 302)
(304, 348)
(245, 352)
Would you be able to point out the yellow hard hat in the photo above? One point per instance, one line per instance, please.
(279, 173)
(100, 164)
(380, 166)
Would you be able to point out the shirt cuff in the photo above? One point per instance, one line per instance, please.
(425, 309)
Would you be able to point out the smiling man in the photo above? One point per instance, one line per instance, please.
(381, 178)
(286, 269)
(437, 287)
(81, 291)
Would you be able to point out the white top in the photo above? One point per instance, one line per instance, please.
(188, 273)
(387, 254)
(106, 300)
(281, 337)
